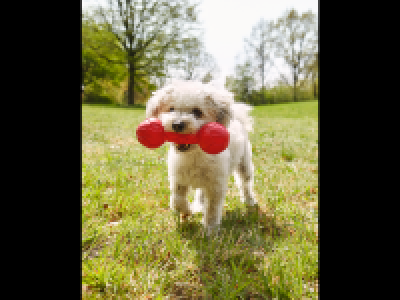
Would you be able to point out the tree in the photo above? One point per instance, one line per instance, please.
(99, 47)
(102, 79)
(195, 63)
(147, 30)
(261, 45)
(231, 84)
(313, 68)
(242, 83)
(207, 77)
(296, 43)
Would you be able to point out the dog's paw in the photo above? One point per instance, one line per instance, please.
(196, 207)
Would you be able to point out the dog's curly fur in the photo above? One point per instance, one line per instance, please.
(184, 106)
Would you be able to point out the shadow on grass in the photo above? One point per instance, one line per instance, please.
(228, 262)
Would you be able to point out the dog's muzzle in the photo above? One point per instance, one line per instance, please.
(183, 147)
(179, 126)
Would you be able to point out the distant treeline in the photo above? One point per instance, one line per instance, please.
(278, 94)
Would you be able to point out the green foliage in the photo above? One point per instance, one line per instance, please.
(102, 58)
(293, 37)
(242, 84)
(260, 48)
(149, 32)
(207, 77)
(103, 62)
(133, 42)
(193, 62)
(277, 94)
(297, 44)
(94, 93)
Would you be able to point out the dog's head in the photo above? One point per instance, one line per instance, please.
(185, 106)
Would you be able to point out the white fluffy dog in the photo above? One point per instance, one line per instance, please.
(184, 106)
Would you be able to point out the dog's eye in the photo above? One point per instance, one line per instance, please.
(171, 109)
(197, 113)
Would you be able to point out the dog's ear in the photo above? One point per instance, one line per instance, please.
(221, 107)
(158, 103)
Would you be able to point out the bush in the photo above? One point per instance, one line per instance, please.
(94, 93)
(104, 92)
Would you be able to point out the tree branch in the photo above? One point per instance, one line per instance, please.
(105, 57)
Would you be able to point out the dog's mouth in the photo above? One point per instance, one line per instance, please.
(183, 147)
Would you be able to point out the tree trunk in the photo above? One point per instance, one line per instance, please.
(131, 82)
(315, 90)
(262, 78)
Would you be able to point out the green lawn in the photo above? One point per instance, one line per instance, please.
(133, 246)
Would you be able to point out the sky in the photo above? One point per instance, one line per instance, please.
(227, 23)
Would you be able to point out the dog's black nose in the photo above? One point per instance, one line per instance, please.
(178, 126)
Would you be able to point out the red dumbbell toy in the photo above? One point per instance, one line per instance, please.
(212, 137)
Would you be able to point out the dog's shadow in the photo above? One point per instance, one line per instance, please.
(236, 220)
(241, 237)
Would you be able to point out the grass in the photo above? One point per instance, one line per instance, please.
(134, 247)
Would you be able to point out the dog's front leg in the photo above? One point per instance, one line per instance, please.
(178, 199)
(198, 202)
(214, 202)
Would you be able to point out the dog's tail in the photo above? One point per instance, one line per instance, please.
(241, 111)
